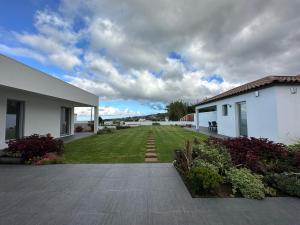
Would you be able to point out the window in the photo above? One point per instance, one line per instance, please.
(242, 119)
(65, 121)
(225, 110)
(14, 119)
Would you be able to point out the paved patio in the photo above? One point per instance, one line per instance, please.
(206, 131)
(138, 194)
(76, 136)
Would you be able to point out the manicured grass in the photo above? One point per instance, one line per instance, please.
(128, 146)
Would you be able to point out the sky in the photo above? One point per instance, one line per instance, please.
(138, 56)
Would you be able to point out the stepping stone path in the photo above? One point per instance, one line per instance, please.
(151, 155)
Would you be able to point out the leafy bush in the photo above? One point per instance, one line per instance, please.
(294, 157)
(214, 154)
(183, 158)
(204, 178)
(250, 185)
(259, 155)
(35, 146)
(79, 129)
(155, 124)
(122, 127)
(286, 182)
(48, 158)
(105, 130)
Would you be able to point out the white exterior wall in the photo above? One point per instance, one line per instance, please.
(41, 116)
(288, 110)
(261, 114)
(17, 75)
(204, 117)
(274, 114)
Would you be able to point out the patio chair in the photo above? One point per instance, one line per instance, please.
(209, 125)
(214, 126)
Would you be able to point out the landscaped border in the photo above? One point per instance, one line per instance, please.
(239, 167)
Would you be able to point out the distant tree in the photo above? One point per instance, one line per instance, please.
(191, 108)
(177, 110)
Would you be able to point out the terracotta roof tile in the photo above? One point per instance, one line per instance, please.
(263, 82)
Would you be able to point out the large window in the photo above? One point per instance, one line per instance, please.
(225, 110)
(14, 119)
(242, 119)
(65, 121)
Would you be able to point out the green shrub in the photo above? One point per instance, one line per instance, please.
(106, 130)
(288, 183)
(122, 127)
(250, 185)
(204, 178)
(213, 154)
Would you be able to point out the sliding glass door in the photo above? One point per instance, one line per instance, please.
(65, 121)
(242, 119)
(14, 119)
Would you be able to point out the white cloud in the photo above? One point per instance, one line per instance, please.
(106, 112)
(24, 52)
(120, 49)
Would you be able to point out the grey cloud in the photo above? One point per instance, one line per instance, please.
(241, 40)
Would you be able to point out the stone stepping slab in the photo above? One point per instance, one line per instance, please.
(150, 155)
(150, 151)
(151, 159)
(150, 146)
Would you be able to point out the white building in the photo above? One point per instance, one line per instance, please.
(267, 108)
(32, 102)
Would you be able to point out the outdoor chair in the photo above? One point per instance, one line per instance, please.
(214, 126)
(209, 126)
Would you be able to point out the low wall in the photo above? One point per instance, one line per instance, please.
(163, 123)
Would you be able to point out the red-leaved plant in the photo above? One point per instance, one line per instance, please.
(258, 154)
(35, 146)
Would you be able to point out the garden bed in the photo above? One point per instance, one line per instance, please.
(34, 149)
(239, 167)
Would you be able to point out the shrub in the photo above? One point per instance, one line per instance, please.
(286, 182)
(204, 178)
(79, 129)
(155, 124)
(214, 154)
(35, 146)
(259, 155)
(294, 156)
(105, 130)
(48, 158)
(183, 158)
(122, 127)
(250, 185)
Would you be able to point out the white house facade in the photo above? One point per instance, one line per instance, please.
(267, 108)
(32, 102)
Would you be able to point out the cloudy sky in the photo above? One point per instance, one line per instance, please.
(139, 55)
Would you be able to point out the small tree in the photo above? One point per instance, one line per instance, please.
(178, 109)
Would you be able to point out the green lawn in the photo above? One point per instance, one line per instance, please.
(128, 146)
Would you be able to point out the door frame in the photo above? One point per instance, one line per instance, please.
(69, 121)
(238, 116)
(20, 120)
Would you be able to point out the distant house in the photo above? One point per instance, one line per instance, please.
(188, 117)
(34, 102)
(268, 108)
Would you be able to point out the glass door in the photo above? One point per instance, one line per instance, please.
(14, 119)
(65, 121)
(242, 119)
